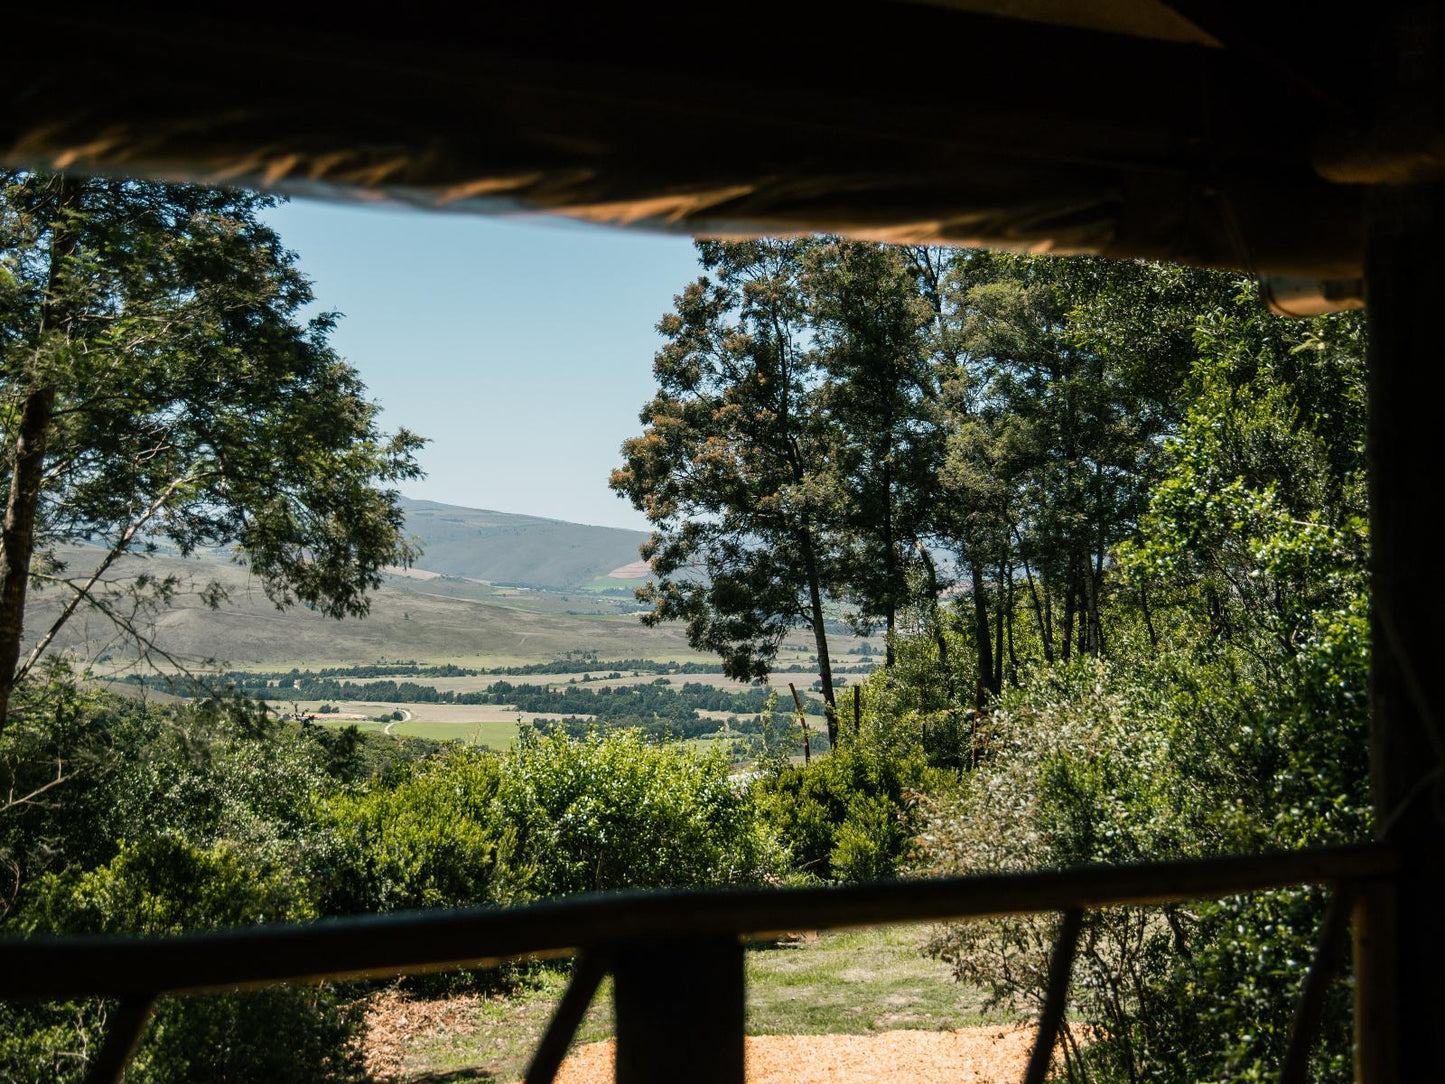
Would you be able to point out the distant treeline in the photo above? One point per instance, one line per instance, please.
(297, 679)
(659, 709)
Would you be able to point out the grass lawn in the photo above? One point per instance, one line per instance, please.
(484, 724)
(493, 733)
(846, 982)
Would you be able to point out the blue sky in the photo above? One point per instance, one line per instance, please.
(522, 348)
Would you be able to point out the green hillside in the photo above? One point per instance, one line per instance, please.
(503, 548)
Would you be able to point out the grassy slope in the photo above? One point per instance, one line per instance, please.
(248, 631)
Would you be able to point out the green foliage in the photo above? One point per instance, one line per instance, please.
(164, 885)
(728, 439)
(433, 838)
(154, 351)
(1238, 724)
(847, 816)
(612, 811)
(1153, 495)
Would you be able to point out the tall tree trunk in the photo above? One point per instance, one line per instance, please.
(940, 640)
(1070, 591)
(982, 642)
(890, 558)
(1148, 618)
(1098, 634)
(1048, 621)
(1013, 658)
(820, 634)
(1046, 634)
(37, 408)
(998, 633)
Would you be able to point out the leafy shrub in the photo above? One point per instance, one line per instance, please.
(1115, 764)
(431, 836)
(847, 816)
(165, 885)
(610, 811)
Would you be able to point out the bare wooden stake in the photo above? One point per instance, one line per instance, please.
(803, 722)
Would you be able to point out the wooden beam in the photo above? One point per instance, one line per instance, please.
(588, 971)
(375, 946)
(124, 1028)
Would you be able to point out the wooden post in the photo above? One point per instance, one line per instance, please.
(803, 722)
(679, 1005)
(1374, 953)
(1402, 997)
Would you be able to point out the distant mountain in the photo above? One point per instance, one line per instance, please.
(500, 547)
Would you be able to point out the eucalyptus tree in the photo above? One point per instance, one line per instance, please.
(159, 383)
(879, 397)
(1076, 370)
(725, 465)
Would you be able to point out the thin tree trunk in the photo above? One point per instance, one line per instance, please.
(1148, 618)
(820, 634)
(890, 552)
(1048, 622)
(1070, 589)
(1045, 633)
(982, 642)
(998, 634)
(1013, 658)
(1098, 612)
(37, 408)
(936, 619)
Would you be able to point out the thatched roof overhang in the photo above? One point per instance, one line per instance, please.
(1191, 132)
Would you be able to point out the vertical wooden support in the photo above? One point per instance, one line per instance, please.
(1402, 997)
(124, 1030)
(1376, 986)
(1310, 1007)
(1056, 997)
(679, 1005)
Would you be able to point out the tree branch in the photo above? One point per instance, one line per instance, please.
(84, 593)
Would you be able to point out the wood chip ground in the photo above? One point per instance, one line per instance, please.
(982, 1055)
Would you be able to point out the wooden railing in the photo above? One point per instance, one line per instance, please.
(677, 957)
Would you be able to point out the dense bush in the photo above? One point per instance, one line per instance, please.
(850, 815)
(192, 817)
(431, 838)
(1232, 719)
(164, 885)
(611, 811)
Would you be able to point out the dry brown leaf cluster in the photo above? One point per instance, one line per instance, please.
(395, 1022)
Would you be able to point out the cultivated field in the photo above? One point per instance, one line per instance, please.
(492, 725)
